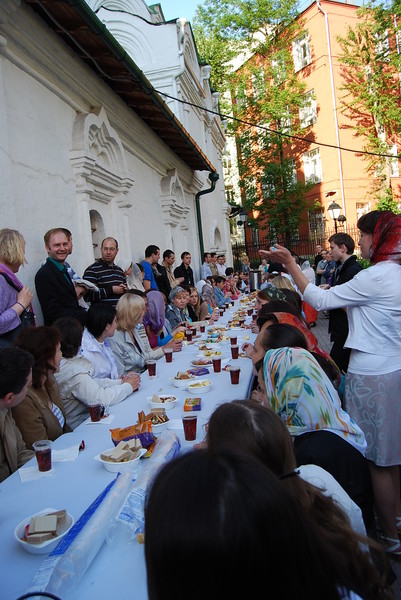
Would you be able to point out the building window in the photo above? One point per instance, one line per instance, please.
(285, 121)
(312, 166)
(308, 112)
(255, 236)
(316, 222)
(263, 135)
(258, 84)
(301, 52)
(292, 172)
(279, 74)
(245, 143)
(382, 46)
(362, 208)
(240, 97)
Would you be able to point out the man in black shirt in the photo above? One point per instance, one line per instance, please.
(184, 270)
(106, 275)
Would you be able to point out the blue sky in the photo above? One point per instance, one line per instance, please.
(172, 9)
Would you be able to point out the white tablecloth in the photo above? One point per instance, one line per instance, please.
(118, 570)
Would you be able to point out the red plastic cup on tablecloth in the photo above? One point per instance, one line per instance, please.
(234, 374)
(151, 368)
(216, 360)
(234, 351)
(189, 424)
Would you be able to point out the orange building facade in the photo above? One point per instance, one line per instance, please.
(331, 160)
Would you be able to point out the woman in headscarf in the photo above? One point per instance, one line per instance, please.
(208, 303)
(299, 391)
(133, 274)
(373, 381)
(175, 314)
(157, 327)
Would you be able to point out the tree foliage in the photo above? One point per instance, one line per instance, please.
(371, 63)
(267, 96)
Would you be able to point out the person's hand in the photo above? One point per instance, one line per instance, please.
(180, 328)
(80, 291)
(119, 289)
(25, 296)
(180, 280)
(324, 286)
(176, 345)
(278, 254)
(248, 349)
(254, 327)
(133, 379)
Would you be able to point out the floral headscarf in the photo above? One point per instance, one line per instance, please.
(386, 239)
(271, 293)
(300, 392)
(155, 315)
(208, 295)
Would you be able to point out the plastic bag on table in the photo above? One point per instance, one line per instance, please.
(130, 521)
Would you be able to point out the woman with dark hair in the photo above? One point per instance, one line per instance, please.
(193, 305)
(41, 414)
(78, 388)
(373, 380)
(229, 515)
(101, 324)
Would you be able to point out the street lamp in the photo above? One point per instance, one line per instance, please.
(334, 210)
(242, 218)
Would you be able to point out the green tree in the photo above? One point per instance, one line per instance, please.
(268, 95)
(371, 100)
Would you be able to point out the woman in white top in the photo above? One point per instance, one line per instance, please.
(78, 388)
(373, 382)
(101, 324)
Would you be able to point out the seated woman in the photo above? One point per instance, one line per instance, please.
(229, 515)
(100, 325)
(41, 414)
(131, 349)
(208, 307)
(157, 327)
(175, 314)
(299, 391)
(193, 305)
(257, 430)
(78, 388)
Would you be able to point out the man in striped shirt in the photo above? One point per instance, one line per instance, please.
(106, 275)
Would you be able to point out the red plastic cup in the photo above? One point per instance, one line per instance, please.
(43, 451)
(234, 351)
(216, 360)
(233, 340)
(189, 333)
(168, 353)
(151, 368)
(96, 411)
(189, 424)
(234, 374)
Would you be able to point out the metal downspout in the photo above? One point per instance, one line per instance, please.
(213, 176)
(334, 105)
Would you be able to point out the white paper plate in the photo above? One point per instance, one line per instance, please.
(165, 405)
(116, 467)
(45, 547)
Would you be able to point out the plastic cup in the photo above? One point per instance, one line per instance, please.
(168, 353)
(202, 328)
(189, 424)
(234, 351)
(152, 368)
(43, 451)
(250, 311)
(189, 334)
(234, 374)
(233, 340)
(96, 411)
(221, 312)
(216, 360)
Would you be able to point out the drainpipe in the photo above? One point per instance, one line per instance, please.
(213, 176)
(340, 168)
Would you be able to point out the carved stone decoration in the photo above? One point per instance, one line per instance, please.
(98, 159)
(173, 203)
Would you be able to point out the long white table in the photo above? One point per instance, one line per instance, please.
(118, 569)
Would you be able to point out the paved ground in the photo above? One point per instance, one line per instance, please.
(322, 336)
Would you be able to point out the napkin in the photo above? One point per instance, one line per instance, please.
(31, 473)
(67, 454)
(105, 421)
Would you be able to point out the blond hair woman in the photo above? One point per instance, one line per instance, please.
(126, 344)
(15, 299)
